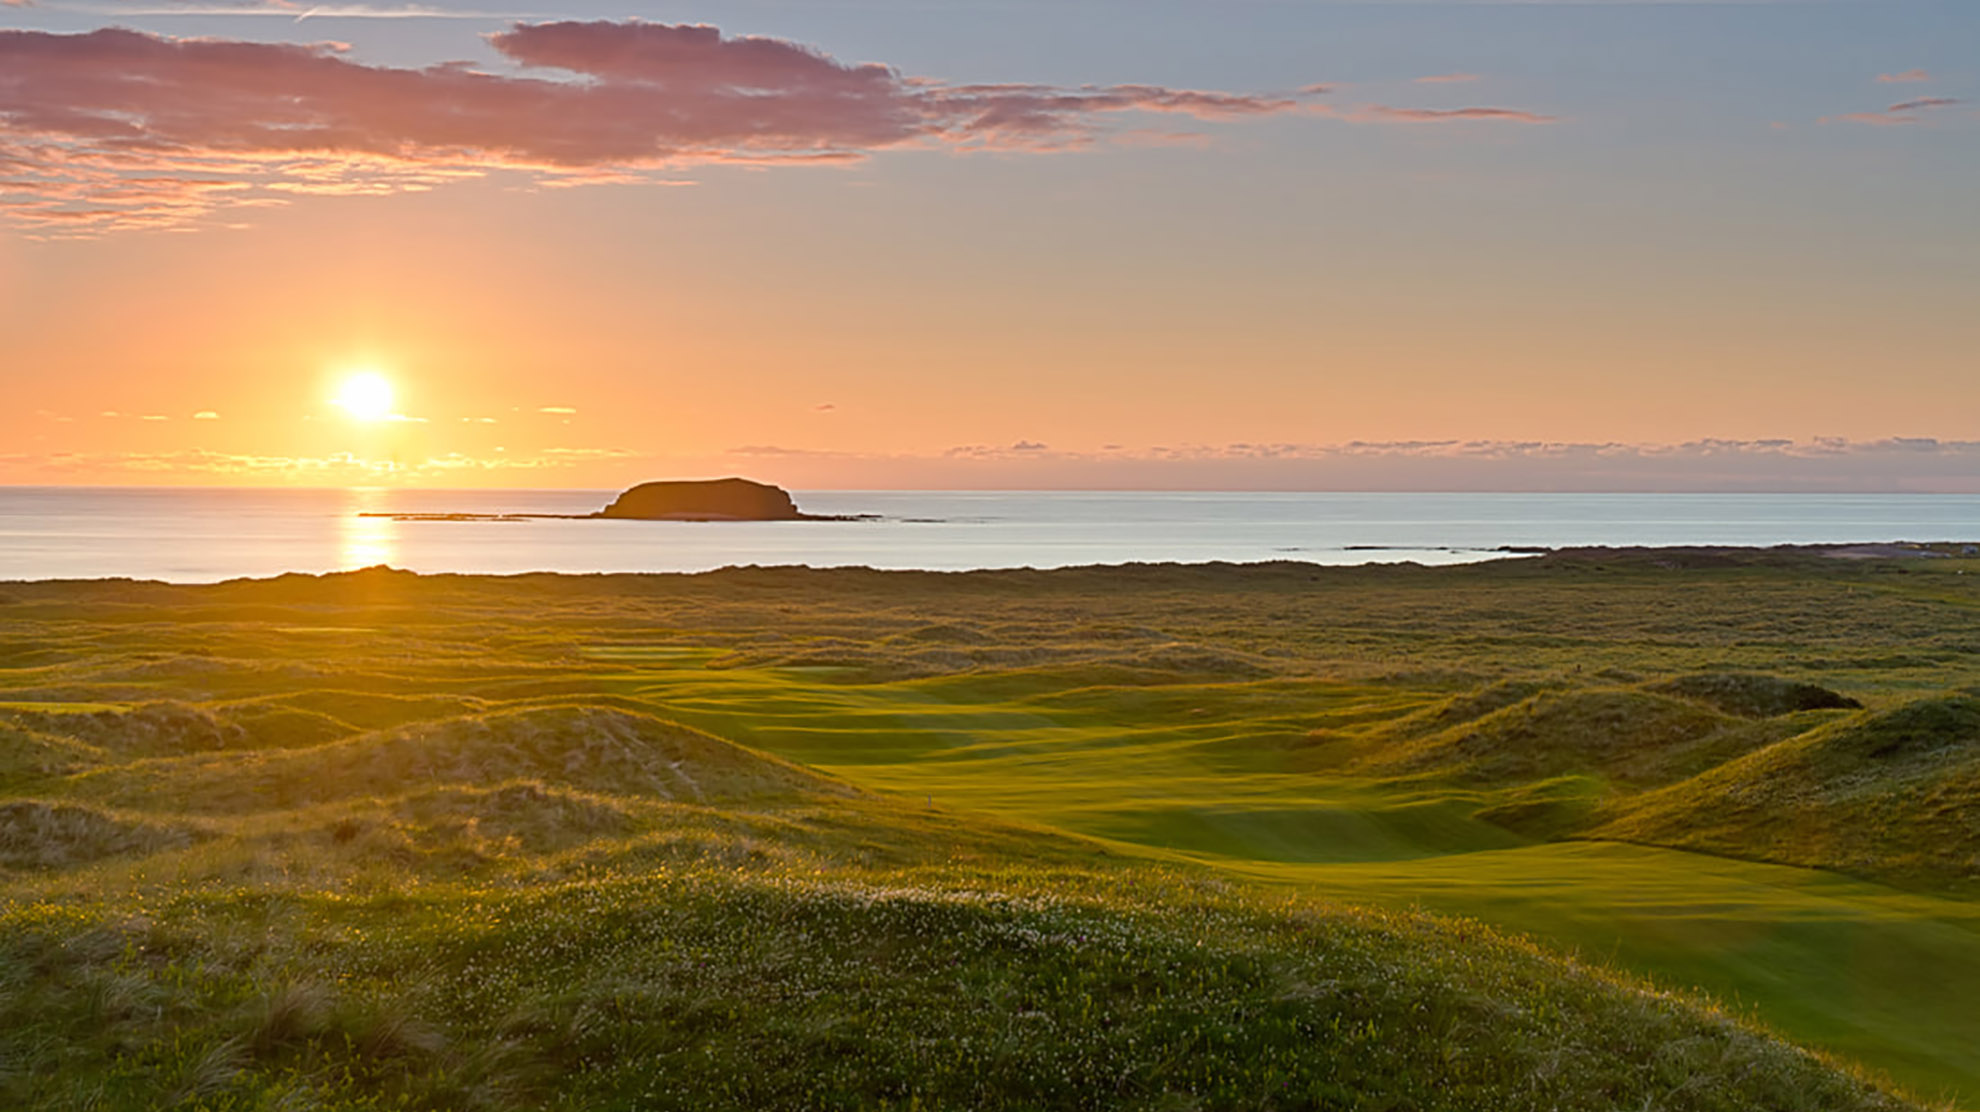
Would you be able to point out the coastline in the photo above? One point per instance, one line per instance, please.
(1653, 557)
(202, 536)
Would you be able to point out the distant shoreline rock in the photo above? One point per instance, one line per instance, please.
(1702, 556)
(730, 499)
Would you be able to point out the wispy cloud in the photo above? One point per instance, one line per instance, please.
(1389, 114)
(1448, 79)
(1907, 77)
(1921, 464)
(337, 468)
(568, 456)
(1923, 102)
(1892, 464)
(558, 409)
(1906, 112)
(118, 129)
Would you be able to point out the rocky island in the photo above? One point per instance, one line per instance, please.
(730, 499)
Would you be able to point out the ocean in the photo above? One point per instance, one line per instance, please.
(188, 535)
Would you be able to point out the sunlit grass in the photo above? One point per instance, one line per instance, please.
(1086, 839)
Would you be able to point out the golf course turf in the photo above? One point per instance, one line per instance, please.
(1586, 830)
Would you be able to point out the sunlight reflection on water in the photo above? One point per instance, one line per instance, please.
(367, 541)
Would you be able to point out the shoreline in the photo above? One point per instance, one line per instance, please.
(1649, 557)
(201, 537)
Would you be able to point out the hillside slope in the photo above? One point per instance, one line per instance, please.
(576, 906)
(1894, 793)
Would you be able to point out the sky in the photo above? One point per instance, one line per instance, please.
(1245, 244)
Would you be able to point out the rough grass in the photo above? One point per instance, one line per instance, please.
(1755, 696)
(1892, 794)
(370, 710)
(532, 849)
(30, 755)
(588, 747)
(1026, 986)
(152, 729)
(1617, 733)
(36, 835)
(536, 817)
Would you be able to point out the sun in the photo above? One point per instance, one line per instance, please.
(366, 396)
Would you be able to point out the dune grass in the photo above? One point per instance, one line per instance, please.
(752, 985)
(1893, 794)
(1140, 837)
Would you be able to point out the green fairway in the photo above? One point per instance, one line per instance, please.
(1880, 975)
(1876, 975)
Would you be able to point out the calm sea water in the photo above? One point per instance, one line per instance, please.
(184, 535)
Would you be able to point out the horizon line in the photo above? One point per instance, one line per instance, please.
(1774, 491)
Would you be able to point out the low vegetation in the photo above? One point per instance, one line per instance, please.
(1149, 837)
(1894, 794)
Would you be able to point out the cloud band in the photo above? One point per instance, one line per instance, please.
(114, 129)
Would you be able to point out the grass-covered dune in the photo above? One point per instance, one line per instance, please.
(1158, 837)
(1892, 793)
(529, 945)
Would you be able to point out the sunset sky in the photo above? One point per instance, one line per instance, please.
(905, 243)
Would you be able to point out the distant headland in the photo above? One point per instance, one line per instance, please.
(730, 499)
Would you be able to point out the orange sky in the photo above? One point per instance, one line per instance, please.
(1267, 279)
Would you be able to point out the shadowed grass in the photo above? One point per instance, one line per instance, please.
(36, 835)
(1893, 794)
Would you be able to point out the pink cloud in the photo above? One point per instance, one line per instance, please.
(1037, 117)
(1879, 119)
(1907, 77)
(119, 129)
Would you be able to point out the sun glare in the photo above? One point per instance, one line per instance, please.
(366, 396)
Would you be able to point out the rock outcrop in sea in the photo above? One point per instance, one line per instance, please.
(730, 499)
